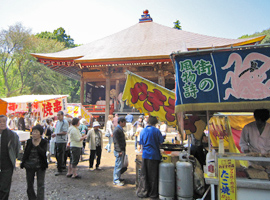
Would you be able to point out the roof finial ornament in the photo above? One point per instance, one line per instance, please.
(145, 17)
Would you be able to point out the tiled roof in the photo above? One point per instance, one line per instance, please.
(142, 41)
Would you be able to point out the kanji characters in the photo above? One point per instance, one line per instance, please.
(190, 90)
(156, 100)
(203, 67)
(189, 76)
(153, 100)
(12, 106)
(139, 92)
(57, 106)
(186, 65)
(47, 109)
(170, 110)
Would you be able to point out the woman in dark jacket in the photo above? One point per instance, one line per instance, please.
(35, 162)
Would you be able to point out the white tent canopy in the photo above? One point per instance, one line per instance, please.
(45, 105)
(32, 98)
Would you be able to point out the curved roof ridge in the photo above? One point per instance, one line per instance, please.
(143, 40)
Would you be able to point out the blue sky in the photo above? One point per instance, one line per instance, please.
(89, 20)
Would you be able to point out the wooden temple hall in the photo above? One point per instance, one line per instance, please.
(143, 49)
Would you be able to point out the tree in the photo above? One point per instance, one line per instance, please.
(59, 35)
(12, 44)
(264, 32)
(177, 25)
(46, 35)
(20, 73)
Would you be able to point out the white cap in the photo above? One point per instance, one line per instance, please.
(96, 124)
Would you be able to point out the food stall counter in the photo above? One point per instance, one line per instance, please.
(247, 189)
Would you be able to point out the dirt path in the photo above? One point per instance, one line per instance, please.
(93, 185)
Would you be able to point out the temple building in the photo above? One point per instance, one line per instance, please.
(143, 48)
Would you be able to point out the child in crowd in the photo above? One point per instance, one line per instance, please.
(137, 134)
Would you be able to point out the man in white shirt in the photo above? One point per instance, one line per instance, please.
(61, 141)
(255, 136)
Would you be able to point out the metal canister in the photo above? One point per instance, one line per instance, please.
(184, 183)
(166, 181)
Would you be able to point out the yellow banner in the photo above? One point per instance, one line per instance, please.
(227, 179)
(220, 128)
(149, 97)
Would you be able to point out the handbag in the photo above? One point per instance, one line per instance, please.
(125, 162)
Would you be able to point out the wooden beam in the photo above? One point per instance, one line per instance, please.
(82, 91)
(107, 96)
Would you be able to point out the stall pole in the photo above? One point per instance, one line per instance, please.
(209, 147)
(189, 138)
(207, 119)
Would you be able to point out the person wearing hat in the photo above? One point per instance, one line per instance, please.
(94, 137)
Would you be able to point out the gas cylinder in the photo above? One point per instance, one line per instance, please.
(184, 177)
(183, 156)
(166, 181)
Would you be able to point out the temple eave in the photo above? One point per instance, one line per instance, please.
(124, 62)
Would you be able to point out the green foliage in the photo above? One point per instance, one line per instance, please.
(177, 25)
(264, 32)
(20, 73)
(46, 35)
(59, 35)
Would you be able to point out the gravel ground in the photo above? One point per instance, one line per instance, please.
(96, 184)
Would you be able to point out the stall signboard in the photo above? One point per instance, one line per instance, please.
(222, 80)
(46, 105)
(149, 97)
(227, 179)
(50, 108)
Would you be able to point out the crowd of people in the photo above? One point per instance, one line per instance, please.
(65, 137)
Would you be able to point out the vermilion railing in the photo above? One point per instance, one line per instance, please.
(96, 108)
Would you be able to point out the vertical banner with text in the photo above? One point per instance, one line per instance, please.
(227, 179)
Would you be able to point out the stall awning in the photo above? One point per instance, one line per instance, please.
(46, 105)
(32, 98)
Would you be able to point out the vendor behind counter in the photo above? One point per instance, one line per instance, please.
(255, 136)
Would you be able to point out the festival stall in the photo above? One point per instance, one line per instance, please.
(232, 79)
(42, 105)
(45, 105)
(76, 110)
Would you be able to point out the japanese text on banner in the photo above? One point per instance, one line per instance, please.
(227, 179)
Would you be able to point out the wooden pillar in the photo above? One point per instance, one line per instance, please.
(82, 91)
(117, 89)
(161, 78)
(107, 97)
